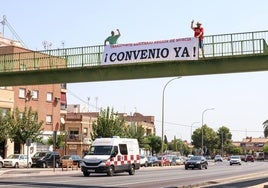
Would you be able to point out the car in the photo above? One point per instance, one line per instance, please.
(37, 156)
(152, 161)
(163, 161)
(75, 158)
(249, 158)
(17, 161)
(1, 162)
(143, 161)
(179, 160)
(218, 158)
(196, 162)
(48, 160)
(172, 159)
(235, 159)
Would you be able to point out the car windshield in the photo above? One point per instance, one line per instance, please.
(235, 157)
(195, 158)
(100, 150)
(39, 154)
(13, 156)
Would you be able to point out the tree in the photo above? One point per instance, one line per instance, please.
(24, 125)
(224, 138)
(108, 124)
(265, 127)
(3, 127)
(154, 142)
(60, 141)
(209, 139)
(136, 131)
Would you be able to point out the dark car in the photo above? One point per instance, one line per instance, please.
(196, 162)
(152, 161)
(249, 158)
(48, 160)
(75, 158)
(37, 156)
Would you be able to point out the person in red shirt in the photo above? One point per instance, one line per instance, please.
(199, 33)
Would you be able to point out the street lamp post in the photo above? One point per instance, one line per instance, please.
(202, 144)
(163, 105)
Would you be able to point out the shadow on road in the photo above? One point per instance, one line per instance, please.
(36, 184)
(241, 184)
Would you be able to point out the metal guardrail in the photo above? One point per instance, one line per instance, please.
(215, 46)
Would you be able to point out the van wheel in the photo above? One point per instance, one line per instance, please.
(132, 170)
(110, 171)
(86, 174)
(1, 165)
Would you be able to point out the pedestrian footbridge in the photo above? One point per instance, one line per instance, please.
(224, 53)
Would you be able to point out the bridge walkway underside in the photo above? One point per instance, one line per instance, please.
(220, 65)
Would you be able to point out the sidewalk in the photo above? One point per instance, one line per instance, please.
(36, 171)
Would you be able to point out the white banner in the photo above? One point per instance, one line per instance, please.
(165, 50)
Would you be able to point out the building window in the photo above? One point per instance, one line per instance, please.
(85, 131)
(22, 67)
(34, 94)
(74, 133)
(49, 119)
(49, 96)
(22, 93)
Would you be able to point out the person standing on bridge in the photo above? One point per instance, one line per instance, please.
(199, 33)
(113, 38)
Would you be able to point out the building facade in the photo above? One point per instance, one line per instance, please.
(78, 126)
(48, 100)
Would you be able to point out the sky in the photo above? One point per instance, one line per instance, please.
(239, 100)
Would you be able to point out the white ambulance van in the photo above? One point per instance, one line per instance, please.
(112, 155)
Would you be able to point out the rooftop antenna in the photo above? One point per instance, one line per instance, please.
(4, 22)
(47, 45)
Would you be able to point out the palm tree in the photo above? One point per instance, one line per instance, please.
(265, 126)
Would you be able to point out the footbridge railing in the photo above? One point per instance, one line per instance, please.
(247, 43)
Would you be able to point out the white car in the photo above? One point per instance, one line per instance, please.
(17, 161)
(143, 161)
(235, 159)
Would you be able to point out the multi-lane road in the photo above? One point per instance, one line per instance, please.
(150, 177)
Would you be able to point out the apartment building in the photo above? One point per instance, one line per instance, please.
(78, 126)
(48, 100)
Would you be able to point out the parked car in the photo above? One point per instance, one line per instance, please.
(1, 162)
(163, 161)
(152, 161)
(47, 160)
(17, 161)
(75, 158)
(249, 158)
(179, 160)
(37, 156)
(196, 162)
(143, 161)
(218, 158)
(235, 159)
(172, 159)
